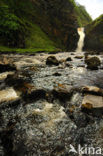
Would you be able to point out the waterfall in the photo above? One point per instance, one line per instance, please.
(81, 39)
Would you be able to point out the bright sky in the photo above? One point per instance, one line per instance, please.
(94, 7)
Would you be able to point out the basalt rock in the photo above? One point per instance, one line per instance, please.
(69, 59)
(79, 57)
(93, 63)
(62, 92)
(51, 60)
(7, 67)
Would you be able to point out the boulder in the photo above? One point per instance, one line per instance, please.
(93, 63)
(51, 60)
(79, 57)
(92, 90)
(7, 67)
(57, 74)
(69, 59)
(93, 104)
(62, 91)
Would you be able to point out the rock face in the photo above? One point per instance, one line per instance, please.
(93, 63)
(94, 35)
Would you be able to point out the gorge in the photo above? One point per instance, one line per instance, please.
(51, 87)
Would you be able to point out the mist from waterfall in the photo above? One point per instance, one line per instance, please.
(81, 39)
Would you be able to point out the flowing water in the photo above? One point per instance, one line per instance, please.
(47, 117)
(81, 39)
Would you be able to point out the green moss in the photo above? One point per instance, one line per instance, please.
(27, 50)
(94, 35)
(38, 39)
(83, 17)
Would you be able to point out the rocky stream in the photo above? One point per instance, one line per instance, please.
(49, 102)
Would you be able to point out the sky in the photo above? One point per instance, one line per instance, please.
(94, 7)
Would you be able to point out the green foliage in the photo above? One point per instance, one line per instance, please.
(8, 21)
(83, 17)
(27, 50)
(94, 35)
(10, 26)
(38, 39)
(96, 26)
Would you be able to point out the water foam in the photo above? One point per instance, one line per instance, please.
(81, 39)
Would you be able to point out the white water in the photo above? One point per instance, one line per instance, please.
(81, 39)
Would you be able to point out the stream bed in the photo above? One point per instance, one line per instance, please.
(44, 108)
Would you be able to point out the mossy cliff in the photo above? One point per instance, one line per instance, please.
(39, 24)
(94, 35)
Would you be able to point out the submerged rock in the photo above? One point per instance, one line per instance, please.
(69, 59)
(93, 63)
(51, 60)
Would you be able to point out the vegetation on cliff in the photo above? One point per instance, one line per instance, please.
(83, 16)
(40, 25)
(94, 35)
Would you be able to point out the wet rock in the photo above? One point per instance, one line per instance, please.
(82, 65)
(86, 57)
(51, 60)
(78, 57)
(93, 63)
(62, 91)
(72, 53)
(68, 64)
(18, 78)
(81, 119)
(7, 67)
(5, 74)
(57, 74)
(33, 95)
(93, 104)
(92, 90)
(69, 59)
(62, 61)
